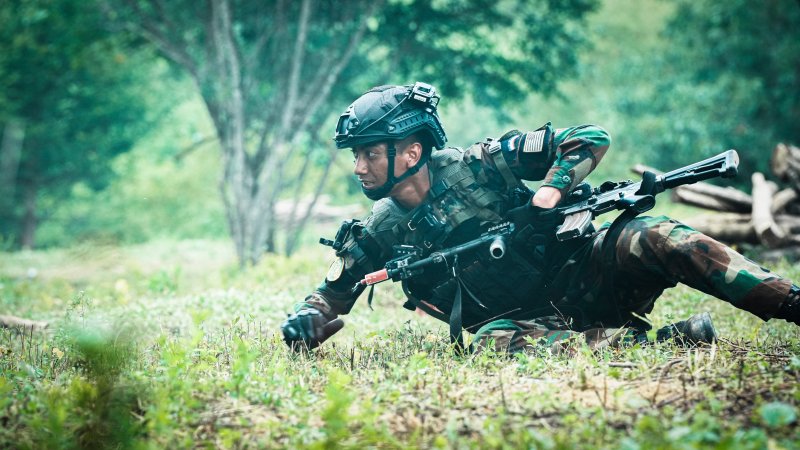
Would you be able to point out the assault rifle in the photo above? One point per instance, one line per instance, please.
(408, 261)
(584, 203)
(581, 205)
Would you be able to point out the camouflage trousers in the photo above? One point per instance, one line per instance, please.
(652, 254)
(506, 335)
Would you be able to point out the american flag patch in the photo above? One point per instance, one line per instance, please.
(534, 141)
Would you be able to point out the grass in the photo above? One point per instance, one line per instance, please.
(167, 346)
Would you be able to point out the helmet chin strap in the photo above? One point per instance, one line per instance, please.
(391, 181)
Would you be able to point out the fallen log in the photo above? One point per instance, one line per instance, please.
(322, 211)
(785, 164)
(789, 253)
(689, 197)
(18, 322)
(767, 231)
(731, 228)
(706, 195)
(734, 228)
(782, 199)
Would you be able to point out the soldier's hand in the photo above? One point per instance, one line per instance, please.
(534, 224)
(308, 329)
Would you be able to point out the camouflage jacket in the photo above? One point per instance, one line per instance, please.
(470, 190)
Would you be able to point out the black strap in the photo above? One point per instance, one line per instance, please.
(369, 298)
(456, 337)
(416, 303)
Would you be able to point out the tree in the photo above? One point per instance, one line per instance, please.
(273, 73)
(70, 100)
(728, 79)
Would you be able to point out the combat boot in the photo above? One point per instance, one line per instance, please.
(790, 308)
(692, 331)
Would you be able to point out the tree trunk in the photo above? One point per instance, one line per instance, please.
(224, 76)
(10, 155)
(29, 218)
(296, 228)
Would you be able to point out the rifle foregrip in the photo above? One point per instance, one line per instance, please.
(575, 225)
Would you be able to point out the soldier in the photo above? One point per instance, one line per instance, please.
(542, 289)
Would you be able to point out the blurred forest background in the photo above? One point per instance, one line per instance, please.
(127, 121)
(157, 161)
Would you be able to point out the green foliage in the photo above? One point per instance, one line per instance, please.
(80, 94)
(77, 395)
(166, 187)
(726, 78)
(777, 414)
(207, 368)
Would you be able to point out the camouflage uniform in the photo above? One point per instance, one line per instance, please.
(550, 292)
(652, 254)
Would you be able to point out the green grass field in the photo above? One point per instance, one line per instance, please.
(167, 345)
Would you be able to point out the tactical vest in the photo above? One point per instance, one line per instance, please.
(458, 199)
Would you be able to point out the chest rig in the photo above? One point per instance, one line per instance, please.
(455, 197)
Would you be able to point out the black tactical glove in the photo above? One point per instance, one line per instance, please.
(308, 329)
(534, 225)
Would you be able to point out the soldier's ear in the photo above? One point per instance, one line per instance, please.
(413, 153)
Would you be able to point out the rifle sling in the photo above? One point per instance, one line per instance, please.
(608, 256)
(438, 315)
(455, 318)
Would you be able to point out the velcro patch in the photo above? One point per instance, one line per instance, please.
(534, 141)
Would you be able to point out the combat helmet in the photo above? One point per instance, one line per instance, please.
(387, 114)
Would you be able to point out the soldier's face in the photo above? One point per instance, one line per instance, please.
(371, 165)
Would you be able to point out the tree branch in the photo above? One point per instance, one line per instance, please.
(297, 62)
(264, 36)
(149, 29)
(297, 227)
(333, 75)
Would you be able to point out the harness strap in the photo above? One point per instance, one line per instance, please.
(460, 178)
(455, 319)
(438, 315)
(608, 255)
(495, 151)
(608, 251)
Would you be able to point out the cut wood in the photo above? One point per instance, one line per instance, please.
(768, 232)
(731, 228)
(17, 322)
(690, 197)
(790, 253)
(734, 228)
(782, 199)
(707, 195)
(321, 212)
(785, 163)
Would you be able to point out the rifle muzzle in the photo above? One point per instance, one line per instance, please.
(497, 248)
